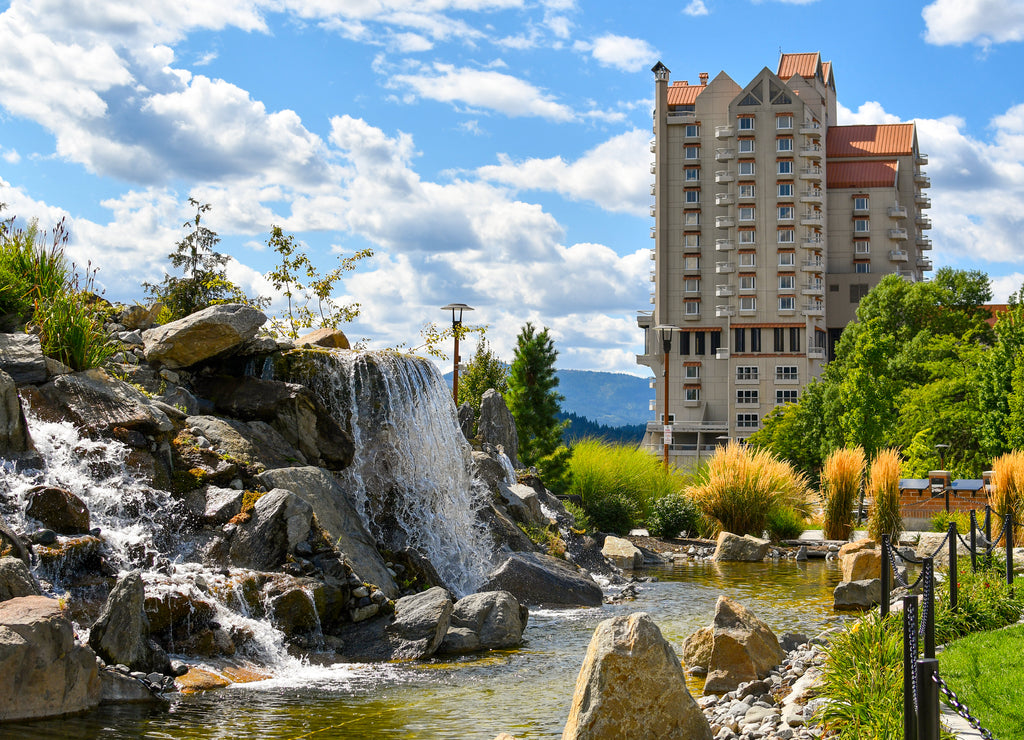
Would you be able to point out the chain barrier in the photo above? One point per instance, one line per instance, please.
(915, 651)
(901, 578)
(960, 708)
(927, 611)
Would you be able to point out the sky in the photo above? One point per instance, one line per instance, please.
(489, 152)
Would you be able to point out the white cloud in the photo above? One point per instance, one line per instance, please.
(981, 22)
(613, 174)
(1005, 286)
(622, 52)
(868, 113)
(11, 156)
(696, 8)
(408, 43)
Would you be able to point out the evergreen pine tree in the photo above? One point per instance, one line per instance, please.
(485, 371)
(532, 398)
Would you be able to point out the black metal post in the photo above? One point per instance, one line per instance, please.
(1009, 548)
(927, 699)
(909, 665)
(988, 536)
(952, 566)
(886, 570)
(974, 542)
(929, 607)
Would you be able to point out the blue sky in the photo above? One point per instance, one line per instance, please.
(491, 152)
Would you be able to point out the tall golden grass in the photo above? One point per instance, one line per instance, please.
(884, 491)
(841, 478)
(740, 486)
(1008, 485)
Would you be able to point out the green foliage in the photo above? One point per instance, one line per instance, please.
(841, 481)
(580, 427)
(532, 397)
(784, 523)
(485, 371)
(204, 282)
(547, 537)
(984, 601)
(71, 327)
(862, 681)
(579, 515)
(555, 470)
(671, 514)
(941, 521)
(303, 286)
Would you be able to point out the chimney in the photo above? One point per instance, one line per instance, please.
(703, 78)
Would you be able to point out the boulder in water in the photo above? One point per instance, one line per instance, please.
(16, 580)
(21, 357)
(631, 685)
(47, 674)
(747, 548)
(489, 620)
(537, 579)
(14, 437)
(253, 443)
(743, 648)
(99, 402)
(205, 334)
(622, 552)
(324, 337)
(280, 521)
(58, 509)
(497, 426)
(121, 634)
(860, 594)
(415, 632)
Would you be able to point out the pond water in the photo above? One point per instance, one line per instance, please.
(526, 692)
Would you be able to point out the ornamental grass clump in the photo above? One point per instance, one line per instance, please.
(1008, 485)
(841, 478)
(741, 486)
(884, 491)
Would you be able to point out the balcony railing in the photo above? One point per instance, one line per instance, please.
(654, 232)
(681, 116)
(898, 234)
(811, 151)
(816, 353)
(811, 219)
(724, 199)
(810, 129)
(653, 255)
(654, 211)
(812, 265)
(813, 288)
(654, 189)
(722, 176)
(922, 180)
(725, 155)
(812, 242)
(921, 159)
(814, 309)
(724, 312)
(723, 268)
(923, 222)
(654, 146)
(811, 173)
(924, 263)
(897, 211)
(724, 291)
(898, 255)
(923, 200)
(924, 242)
(724, 132)
(654, 168)
(811, 196)
(724, 245)
(724, 222)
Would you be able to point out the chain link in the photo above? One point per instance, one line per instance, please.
(927, 607)
(959, 707)
(913, 668)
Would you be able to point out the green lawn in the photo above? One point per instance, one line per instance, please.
(986, 670)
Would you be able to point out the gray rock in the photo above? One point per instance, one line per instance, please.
(136, 317)
(21, 357)
(745, 549)
(497, 426)
(205, 334)
(858, 594)
(419, 626)
(523, 504)
(118, 688)
(16, 580)
(222, 504)
(743, 648)
(337, 514)
(14, 436)
(97, 401)
(182, 400)
(121, 634)
(252, 442)
(489, 620)
(57, 509)
(466, 420)
(280, 520)
(489, 470)
(622, 552)
(537, 579)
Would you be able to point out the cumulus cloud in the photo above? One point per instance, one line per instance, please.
(981, 22)
(868, 113)
(622, 52)
(696, 8)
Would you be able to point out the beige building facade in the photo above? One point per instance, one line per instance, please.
(770, 224)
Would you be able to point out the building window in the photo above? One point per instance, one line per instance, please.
(692, 308)
(787, 259)
(716, 341)
(746, 168)
(745, 123)
(746, 146)
(755, 340)
(862, 267)
(746, 372)
(684, 343)
(691, 263)
(785, 167)
(747, 282)
(748, 236)
(740, 340)
(691, 394)
(786, 303)
(786, 282)
(691, 285)
(747, 191)
(857, 291)
(748, 396)
(691, 239)
(691, 218)
(778, 340)
(784, 144)
(785, 189)
(691, 151)
(786, 372)
(861, 225)
(862, 246)
(692, 130)
(746, 421)
(692, 372)
(746, 213)
(794, 339)
(786, 236)
(785, 213)
(698, 343)
(783, 122)
(788, 395)
(860, 203)
(748, 259)
(748, 303)
(692, 174)
(692, 196)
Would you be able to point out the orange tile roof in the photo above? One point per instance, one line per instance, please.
(805, 65)
(883, 140)
(873, 174)
(826, 71)
(681, 93)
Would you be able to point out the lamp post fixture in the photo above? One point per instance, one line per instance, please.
(665, 331)
(456, 309)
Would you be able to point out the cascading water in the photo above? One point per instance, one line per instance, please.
(411, 476)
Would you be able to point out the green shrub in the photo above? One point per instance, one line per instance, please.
(578, 513)
(785, 523)
(671, 514)
(611, 513)
(940, 522)
(555, 470)
(984, 602)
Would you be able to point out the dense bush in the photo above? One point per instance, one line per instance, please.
(671, 514)
(840, 488)
(940, 522)
(785, 523)
(984, 602)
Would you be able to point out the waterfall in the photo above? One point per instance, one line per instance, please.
(411, 477)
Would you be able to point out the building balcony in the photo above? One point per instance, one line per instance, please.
(722, 353)
(652, 299)
(813, 218)
(923, 222)
(815, 287)
(653, 276)
(653, 256)
(922, 180)
(923, 242)
(724, 222)
(897, 211)
(922, 200)
(724, 245)
(812, 242)
(654, 168)
(811, 129)
(724, 132)
(724, 199)
(812, 265)
(654, 145)
(816, 353)
(816, 308)
(898, 234)
(723, 176)
(654, 189)
(924, 263)
(724, 268)
(898, 255)
(681, 116)
(654, 232)
(814, 152)
(812, 196)
(724, 312)
(725, 155)
(811, 173)
(654, 211)
(724, 291)
(921, 159)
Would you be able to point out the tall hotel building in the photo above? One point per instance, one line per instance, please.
(770, 224)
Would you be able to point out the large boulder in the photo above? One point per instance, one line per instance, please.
(697, 650)
(747, 548)
(98, 402)
(861, 565)
(45, 674)
(280, 521)
(14, 437)
(21, 357)
(337, 514)
(416, 631)
(538, 579)
(57, 509)
(324, 337)
(16, 580)
(205, 334)
(631, 685)
(291, 409)
(743, 648)
(622, 552)
(255, 442)
(121, 634)
(860, 594)
(489, 620)
(497, 426)
(523, 504)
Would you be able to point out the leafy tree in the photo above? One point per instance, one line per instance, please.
(204, 281)
(485, 371)
(302, 284)
(532, 397)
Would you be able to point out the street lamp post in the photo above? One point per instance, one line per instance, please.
(665, 332)
(456, 309)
